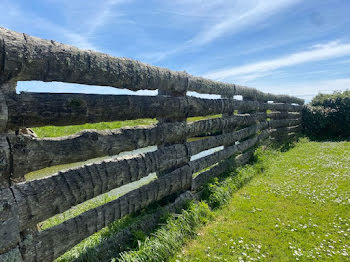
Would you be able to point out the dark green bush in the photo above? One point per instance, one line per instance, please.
(328, 116)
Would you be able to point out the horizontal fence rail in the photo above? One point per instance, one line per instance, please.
(180, 158)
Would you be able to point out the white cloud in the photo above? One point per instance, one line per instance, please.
(240, 17)
(78, 28)
(315, 53)
(17, 19)
(224, 18)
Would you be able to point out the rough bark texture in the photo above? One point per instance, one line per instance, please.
(220, 168)
(29, 58)
(284, 115)
(51, 243)
(11, 256)
(225, 139)
(281, 107)
(206, 86)
(40, 199)
(284, 123)
(3, 112)
(9, 226)
(283, 131)
(217, 124)
(5, 162)
(169, 119)
(30, 153)
(207, 161)
(39, 109)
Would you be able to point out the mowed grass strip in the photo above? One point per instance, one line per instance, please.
(297, 210)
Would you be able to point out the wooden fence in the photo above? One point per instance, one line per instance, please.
(23, 204)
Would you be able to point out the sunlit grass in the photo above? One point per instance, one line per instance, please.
(56, 131)
(297, 210)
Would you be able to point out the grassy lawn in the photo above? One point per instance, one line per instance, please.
(298, 209)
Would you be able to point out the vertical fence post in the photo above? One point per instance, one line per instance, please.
(9, 220)
(228, 114)
(182, 120)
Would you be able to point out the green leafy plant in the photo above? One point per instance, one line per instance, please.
(328, 116)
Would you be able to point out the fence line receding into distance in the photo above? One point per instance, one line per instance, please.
(24, 204)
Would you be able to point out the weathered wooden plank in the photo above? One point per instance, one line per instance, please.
(169, 119)
(226, 139)
(215, 124)
(5, 162)
(3, 112)
(283, 115)
(31, 153)
(281, 107)
(40, 199)
(11, 256)
(284, 123)
(284, 99)
(220, 168)
(29, 58)
(283, 131)
(226, 164)
(38, 109)
(9, 226)
(207, 161)
(51, 243)
(207, 86)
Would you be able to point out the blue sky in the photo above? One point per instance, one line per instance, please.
(290, 47)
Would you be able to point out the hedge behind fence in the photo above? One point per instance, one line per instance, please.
(328, 116)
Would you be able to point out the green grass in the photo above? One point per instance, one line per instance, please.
(296, 210)
(168, 239)
(295, 207)
(56, 131)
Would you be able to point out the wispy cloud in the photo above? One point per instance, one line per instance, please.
(98, 15)
(253, 13)
(315, 53)
(17, 18)
(227, 19)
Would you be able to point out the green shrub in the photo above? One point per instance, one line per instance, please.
(328, 116)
